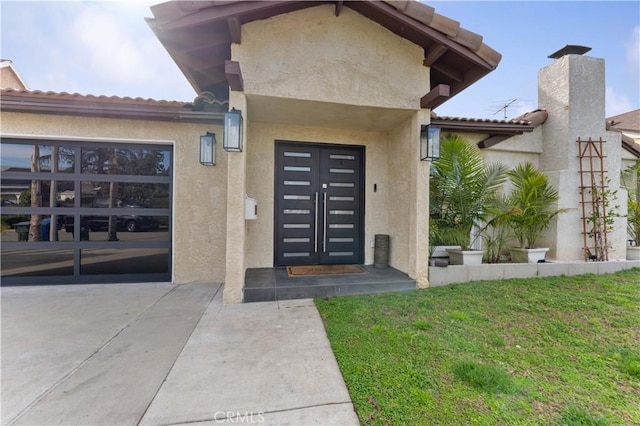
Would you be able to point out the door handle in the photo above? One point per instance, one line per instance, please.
(324, 222)
(315, 227)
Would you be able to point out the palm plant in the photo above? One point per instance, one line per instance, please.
(531, 204)
(496, 232)
(462, 189)
(631, 182)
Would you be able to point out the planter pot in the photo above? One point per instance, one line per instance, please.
(633, 253)
(521, 255)
(465, 257)
(441, 251)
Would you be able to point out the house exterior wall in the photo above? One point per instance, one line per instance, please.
(312, 54)
(408, 200)
(9, 79)
(199, 193)
(511, 152)
(261, 177)
(572, 89)
(627, 159)
(310, 76)
(388, 210)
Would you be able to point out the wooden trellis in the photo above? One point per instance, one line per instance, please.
(593, 193)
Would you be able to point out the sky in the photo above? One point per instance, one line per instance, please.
(106, 48)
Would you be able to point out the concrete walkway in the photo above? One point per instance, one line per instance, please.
(160, 354)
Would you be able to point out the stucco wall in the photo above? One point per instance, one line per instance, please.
(199, 193)
(511, 152)
(349, 59)
(310, 76)
(572, 89)
(408, 199)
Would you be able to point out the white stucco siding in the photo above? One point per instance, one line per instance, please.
(312, 54)
(572, 89)
(510, 152)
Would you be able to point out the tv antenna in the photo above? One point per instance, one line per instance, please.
(504, 107)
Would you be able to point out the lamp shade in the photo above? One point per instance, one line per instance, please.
(429, 143)
(233, 131)
(208, 149)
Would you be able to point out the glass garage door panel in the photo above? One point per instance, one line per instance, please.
(76, 211)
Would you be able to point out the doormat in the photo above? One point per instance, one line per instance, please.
(310, 270)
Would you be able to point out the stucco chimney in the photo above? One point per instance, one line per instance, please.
(572, 89)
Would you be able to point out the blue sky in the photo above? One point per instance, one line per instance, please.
(106, 48)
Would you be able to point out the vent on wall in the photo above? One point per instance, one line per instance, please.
(569, 49)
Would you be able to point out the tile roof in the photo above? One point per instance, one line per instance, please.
(498, 130)
(198, 36)
(426, 15)
(532, 118)
(481, 120)
(35, 94)
(627, 121)
(203, 110)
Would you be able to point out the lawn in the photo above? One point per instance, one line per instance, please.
(559, 350)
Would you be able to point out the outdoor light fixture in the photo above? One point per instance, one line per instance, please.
(429, 143)
(232, 131)
(208, 149)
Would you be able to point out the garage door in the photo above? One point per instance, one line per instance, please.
(75, 212)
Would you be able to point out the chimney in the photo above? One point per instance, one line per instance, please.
(569, 49)
(572, 90)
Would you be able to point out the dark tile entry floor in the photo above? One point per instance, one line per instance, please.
(269, 284)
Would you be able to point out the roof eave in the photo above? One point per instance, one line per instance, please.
(482, 127)
(84, 108)
(172, 20)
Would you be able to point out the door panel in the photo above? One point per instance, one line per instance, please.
(318, 204)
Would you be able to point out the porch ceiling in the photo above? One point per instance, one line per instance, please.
(198, 36)
(324, 114)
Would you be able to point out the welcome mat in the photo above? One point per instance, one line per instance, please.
(309, 270)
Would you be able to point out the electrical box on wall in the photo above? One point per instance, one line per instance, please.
(250, 208)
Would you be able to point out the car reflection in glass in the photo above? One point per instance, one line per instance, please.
(130, 222)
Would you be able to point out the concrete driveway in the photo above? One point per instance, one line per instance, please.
(161, 354)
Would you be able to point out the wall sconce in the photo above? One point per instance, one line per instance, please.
(208, 149)
(232, 131)
(429, 143)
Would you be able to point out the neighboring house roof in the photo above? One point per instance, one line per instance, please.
(628, 121)
(198, 36)
(498, 130)
(9, 77)
(106, 106)
(629, 125)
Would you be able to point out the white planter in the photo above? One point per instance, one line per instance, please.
(521, 255)
(441, 251)
(633, 253)
(465, 257)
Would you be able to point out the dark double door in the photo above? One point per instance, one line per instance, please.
(319, 204)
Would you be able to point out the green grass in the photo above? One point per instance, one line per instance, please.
(558, 350)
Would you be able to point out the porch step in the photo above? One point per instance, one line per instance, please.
(269, 284)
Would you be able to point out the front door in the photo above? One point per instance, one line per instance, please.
(319, 204)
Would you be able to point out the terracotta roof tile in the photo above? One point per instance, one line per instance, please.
(482, 120)
(451, 28)
(204, 109)
(33, 94)
(532, 118)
